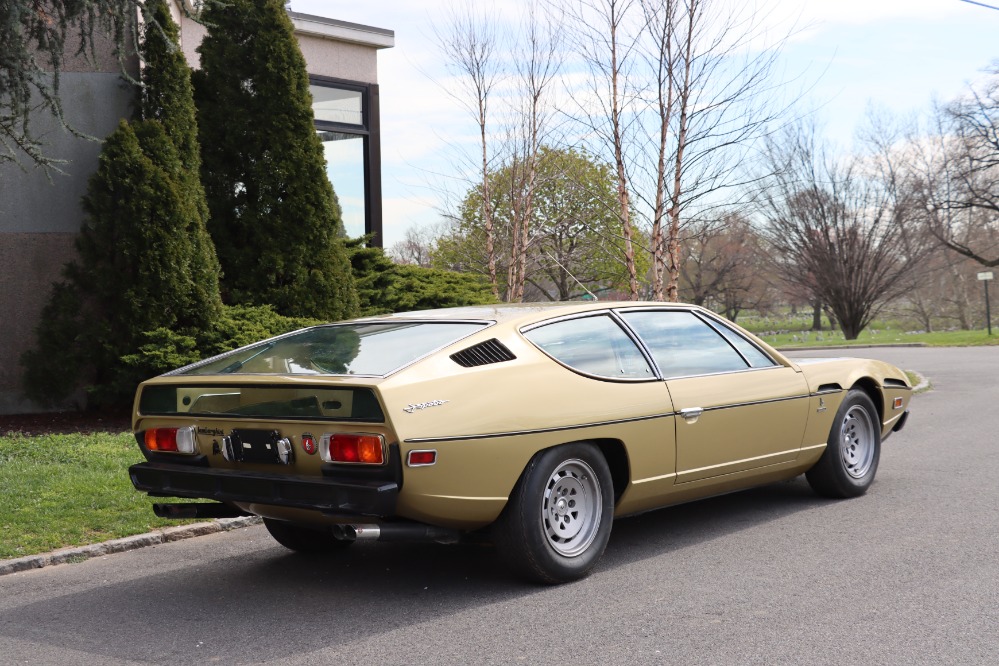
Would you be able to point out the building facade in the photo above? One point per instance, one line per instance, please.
(40, 214)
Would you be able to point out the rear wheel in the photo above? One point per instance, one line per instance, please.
(303, 539)
(850, 461)
(558, 520)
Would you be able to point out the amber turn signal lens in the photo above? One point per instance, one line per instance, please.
(350, 448)
(898, 403)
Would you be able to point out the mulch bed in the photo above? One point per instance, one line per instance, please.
(64, 422)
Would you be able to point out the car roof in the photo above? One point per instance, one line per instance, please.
(524, 312)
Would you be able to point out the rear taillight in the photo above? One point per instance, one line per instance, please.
(173, 440)
(355, 448)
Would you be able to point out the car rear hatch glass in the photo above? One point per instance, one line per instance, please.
(371, 349)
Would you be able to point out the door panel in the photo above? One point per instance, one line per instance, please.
(749, 419)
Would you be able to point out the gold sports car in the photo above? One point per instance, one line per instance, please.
(531, 425)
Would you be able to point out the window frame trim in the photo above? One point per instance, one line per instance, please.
(370, 132)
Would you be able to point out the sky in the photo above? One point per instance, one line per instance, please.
(897, 55)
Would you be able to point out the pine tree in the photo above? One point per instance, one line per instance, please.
(168, 97)
(274, 217)
(133, 275)
(146, 272)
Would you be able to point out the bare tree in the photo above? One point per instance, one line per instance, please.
(724, 265)
(417, 245)
(469, 42)
(844, 228)
(714, 97)
(602, 39)
(536, 65)
(960, 168)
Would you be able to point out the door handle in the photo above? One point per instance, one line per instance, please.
(691, 414)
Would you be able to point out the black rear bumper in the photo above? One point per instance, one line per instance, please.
(374, 497)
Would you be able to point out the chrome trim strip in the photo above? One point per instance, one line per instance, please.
(536, 431)
(738, 462)
(891, 420)
(827, 392)
(755, 402)
(473, 499)
(661, 477)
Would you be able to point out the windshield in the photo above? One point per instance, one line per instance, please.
(339, 349)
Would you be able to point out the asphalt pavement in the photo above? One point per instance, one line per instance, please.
(907, 574)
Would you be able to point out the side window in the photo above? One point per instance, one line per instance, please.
(594, 345)
(684, 345)
(756, 358)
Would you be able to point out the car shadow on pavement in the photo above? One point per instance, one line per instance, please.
(270, 604)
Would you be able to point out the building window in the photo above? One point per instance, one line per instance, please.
(346, 117)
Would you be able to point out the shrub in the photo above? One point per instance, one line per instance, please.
(274, 217)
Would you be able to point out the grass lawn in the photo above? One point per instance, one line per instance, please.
(881, 337)
(69, 490)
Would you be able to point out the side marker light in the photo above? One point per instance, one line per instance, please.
(421, 458)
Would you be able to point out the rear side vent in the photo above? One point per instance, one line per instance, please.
(484, 353)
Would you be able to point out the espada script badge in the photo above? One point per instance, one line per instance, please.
(409, 409)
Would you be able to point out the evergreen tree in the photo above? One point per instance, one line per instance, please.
(145, 287)
(133, 276)
(168, 97)
(274, 217)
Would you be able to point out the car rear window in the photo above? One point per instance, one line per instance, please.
(358, 348)
(278, 402)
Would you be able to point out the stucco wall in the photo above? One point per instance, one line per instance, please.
(39, 218)
(29, 263)
(339, 60)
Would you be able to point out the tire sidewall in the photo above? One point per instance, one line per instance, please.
(526, 541)
(850, 484)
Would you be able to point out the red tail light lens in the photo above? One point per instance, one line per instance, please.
(173, 440)
(354, 448)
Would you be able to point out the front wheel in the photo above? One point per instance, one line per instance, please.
(303, 539)
(848, 465)
(558, 520)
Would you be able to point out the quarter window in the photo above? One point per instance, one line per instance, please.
(683, 344)
(592, 345)
(750, 352)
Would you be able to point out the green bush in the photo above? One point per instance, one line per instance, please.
(383, 286)
(275, 220)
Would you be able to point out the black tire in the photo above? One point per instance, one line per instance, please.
(303, 539)
(558, 520)
(850, 461)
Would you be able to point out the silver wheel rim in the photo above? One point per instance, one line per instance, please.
(857, 433)
(571, 508)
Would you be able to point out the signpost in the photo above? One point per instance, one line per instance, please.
(986, 277)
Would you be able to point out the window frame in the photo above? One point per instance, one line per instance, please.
(370, 132)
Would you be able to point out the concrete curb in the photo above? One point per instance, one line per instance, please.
(165, 535)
